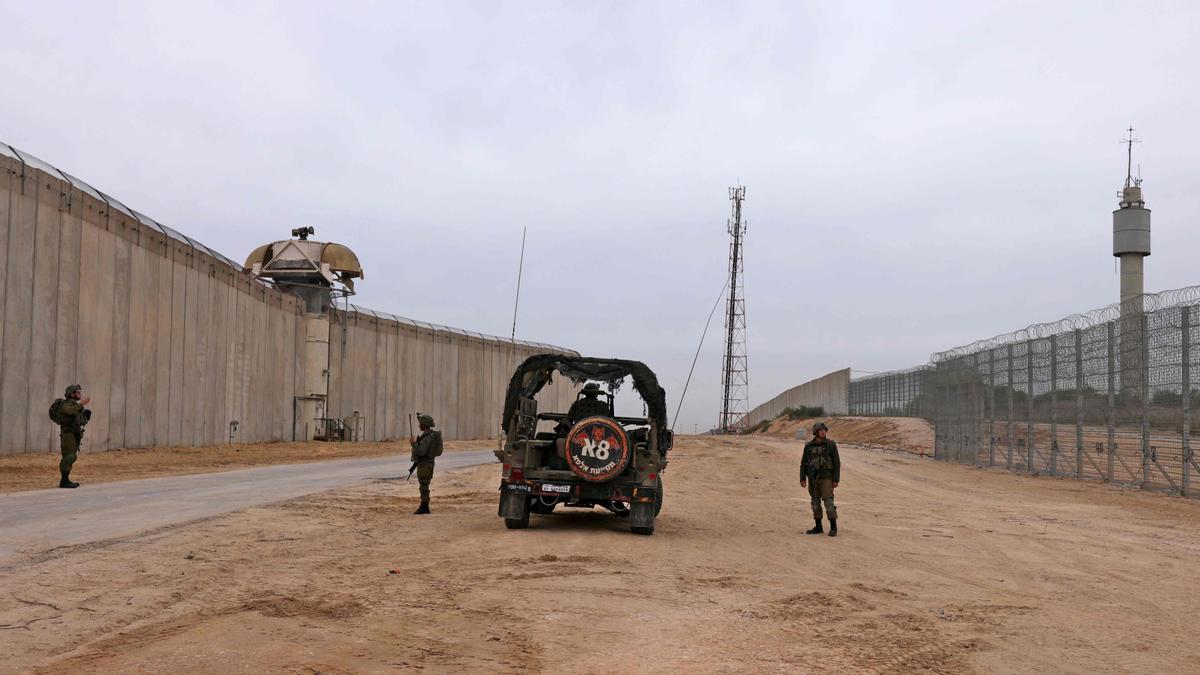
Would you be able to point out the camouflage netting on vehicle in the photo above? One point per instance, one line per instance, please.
(535, 372)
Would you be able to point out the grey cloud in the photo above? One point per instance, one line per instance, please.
(920, 174)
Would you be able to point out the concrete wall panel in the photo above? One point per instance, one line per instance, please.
(280, 338)
(44, 320)
(390, 403)
(119, 354)
(165, 322)
(66, 337)
(149, 350)
(830, 391)
(100, 345)
(179, 274)
(191, 338)
(87, 373)
(18, 336)
(136, 361)
(9, 170)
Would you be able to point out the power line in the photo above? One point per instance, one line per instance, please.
(697, 356)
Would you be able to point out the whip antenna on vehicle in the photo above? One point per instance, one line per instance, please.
(520, 273)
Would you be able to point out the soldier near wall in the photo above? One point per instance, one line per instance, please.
(71, 416)
(820, 471)
(426, 448)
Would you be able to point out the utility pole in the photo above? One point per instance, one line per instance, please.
(734, 372)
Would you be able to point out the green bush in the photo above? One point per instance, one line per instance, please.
(803, 412)
(756, 428)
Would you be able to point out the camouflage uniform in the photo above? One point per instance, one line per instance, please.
(72, 417)
(822, 468)
(589, 405)
(424, 453)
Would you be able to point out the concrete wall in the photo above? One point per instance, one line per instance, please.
(170, 342)
(173, 341)
(387, 367)
(831, 391)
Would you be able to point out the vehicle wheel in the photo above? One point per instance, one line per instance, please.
(515, 510)
(641, 518)
(658, 501)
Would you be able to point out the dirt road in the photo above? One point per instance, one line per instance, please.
(938, 568)
(42, 520)
(38, 471)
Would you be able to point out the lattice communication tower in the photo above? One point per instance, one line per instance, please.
(734, 373)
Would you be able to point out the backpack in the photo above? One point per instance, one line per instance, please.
(436, 450)
(56, 411)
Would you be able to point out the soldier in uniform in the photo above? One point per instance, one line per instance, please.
(589, 405)
(820, 471)
(71, 418)
(426, 447)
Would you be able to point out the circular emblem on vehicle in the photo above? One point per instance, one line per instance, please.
(597, 449)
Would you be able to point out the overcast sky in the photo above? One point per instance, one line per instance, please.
(919, 175)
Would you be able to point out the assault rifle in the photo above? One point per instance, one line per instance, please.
(412, 468)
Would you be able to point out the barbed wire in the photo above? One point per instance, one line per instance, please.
(892, 373)
(1149, 302)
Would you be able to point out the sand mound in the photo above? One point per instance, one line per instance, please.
(909, 434)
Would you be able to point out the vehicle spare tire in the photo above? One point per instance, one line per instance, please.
(597, 449)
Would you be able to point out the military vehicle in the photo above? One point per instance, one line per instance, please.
(587, 456)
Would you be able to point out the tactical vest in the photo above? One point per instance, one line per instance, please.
(819, 461)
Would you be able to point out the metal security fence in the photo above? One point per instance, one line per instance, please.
(1107, 395)
(900, 393)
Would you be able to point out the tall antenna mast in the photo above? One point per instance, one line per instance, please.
(734, 372)
(1129, 141)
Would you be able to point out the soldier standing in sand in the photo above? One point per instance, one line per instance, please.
(820, 471)
(426, 448)
(71, 416)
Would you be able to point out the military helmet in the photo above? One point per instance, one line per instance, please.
(72, 389)
(819, 426)
(427, 420)
(591, 388)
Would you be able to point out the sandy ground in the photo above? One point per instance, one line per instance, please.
(939, 568)
(909, 434)
(36, 471)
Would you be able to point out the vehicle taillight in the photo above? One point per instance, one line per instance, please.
(516, 473)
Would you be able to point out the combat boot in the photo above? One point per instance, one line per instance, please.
(833, 528)
(423, 508)
(66, 482)
(817, 529)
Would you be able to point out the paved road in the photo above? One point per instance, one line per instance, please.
(39, 520)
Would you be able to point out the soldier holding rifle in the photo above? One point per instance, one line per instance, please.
(426, 447)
